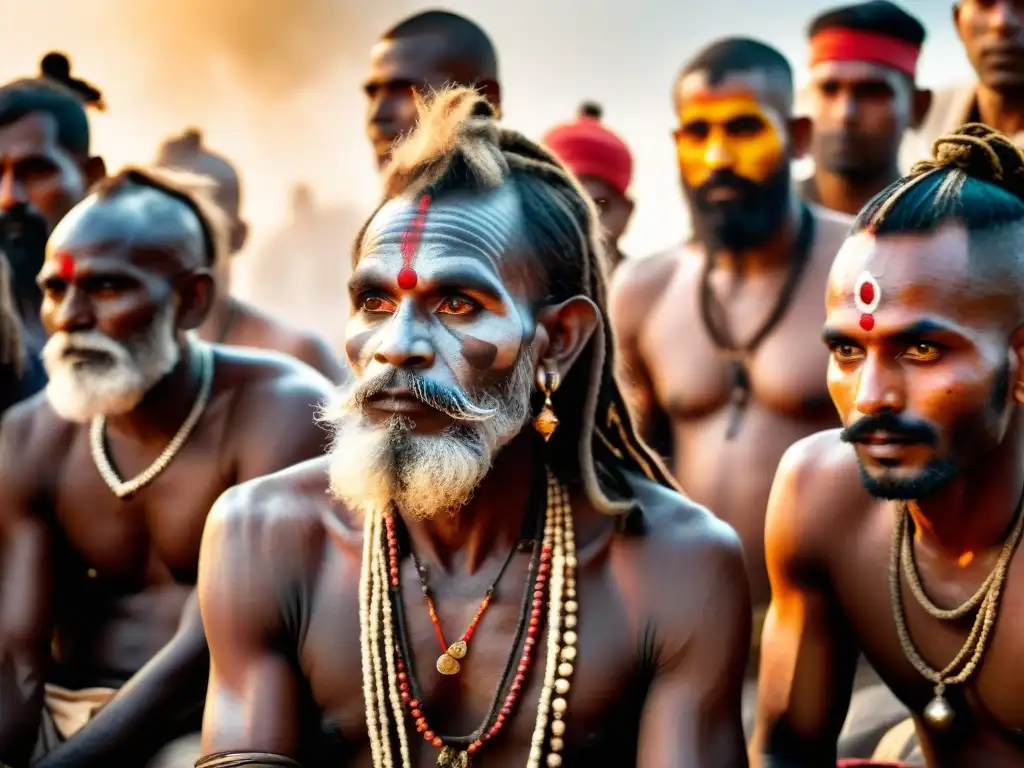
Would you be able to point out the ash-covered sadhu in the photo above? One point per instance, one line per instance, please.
(925, 326)
(495, 574)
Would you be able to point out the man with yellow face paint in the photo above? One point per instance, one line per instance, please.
(718, 339)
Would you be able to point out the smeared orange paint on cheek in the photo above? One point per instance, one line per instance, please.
(718, 144)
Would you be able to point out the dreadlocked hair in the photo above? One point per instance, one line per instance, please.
(458, 146)
(12, 353)
(974, 177)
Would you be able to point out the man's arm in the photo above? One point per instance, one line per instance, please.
(692, 714)
(808, 658)
(252, 703)
(25, 594)
(635, 286)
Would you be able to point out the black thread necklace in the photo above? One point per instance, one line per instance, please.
(739, 355)
(537, 514)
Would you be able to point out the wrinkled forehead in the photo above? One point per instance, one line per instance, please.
(485, 227)
(923, 271)
(141, 219)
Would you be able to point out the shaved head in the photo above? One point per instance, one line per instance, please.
(133, 217)
(769, 73)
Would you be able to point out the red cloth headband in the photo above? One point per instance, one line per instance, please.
(857, 45)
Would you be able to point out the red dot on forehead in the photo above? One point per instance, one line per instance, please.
(867, 292)
(407, 279)
(66, 265)
(867, 322)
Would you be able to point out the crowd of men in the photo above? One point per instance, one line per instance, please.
(673, 527)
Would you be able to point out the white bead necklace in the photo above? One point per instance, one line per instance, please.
(123, 489)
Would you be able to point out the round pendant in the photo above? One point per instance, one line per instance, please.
(458, 649)
(446, 665)
(939, 714)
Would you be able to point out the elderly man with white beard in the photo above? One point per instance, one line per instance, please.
(498, 557)
(106, 478)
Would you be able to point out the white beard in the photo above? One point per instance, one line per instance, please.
(80, 389)
(375, 466)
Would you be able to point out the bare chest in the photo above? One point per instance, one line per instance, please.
(989, 711)
(785, 372)
(149, 538)
(603, 703)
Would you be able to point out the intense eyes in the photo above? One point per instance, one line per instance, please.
(919, 352)
(742, 125)
(454, 304)
(96, 287)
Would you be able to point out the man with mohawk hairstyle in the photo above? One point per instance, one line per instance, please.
(925, 481)
(499, 557)
(106, 479)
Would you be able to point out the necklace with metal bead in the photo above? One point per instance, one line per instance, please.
(939, 713)
(97, 434)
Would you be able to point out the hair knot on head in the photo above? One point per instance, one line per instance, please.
(982, 153)
(456, 132)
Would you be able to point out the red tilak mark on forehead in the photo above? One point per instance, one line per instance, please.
(66, 266)
(867, 292)
(407, 277)
(867, 321)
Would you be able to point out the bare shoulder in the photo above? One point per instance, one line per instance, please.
(33, 438)
(274, 519)
(685, 560)
(639, 283)
(817, 490)
(689, 537)
(257, 376)
(278, 336)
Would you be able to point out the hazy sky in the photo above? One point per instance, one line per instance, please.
(275, 84)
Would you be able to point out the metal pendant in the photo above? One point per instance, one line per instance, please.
(452, 758)
(939, 713)
(447, 665)
(739, 397)
(458, 649)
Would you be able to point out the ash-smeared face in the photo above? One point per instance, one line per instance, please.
(440, 342)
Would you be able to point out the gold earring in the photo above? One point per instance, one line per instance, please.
(546, 422)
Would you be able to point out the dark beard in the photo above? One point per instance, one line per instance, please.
(23, 236)
(747, 222)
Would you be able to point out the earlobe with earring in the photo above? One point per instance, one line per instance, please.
(546, 422)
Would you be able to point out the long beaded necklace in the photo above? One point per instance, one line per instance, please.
(448, 661)
(739, 354)
(939, 713)
(97, 434)
(554, 565)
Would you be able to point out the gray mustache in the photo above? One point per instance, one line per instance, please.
(450, 401)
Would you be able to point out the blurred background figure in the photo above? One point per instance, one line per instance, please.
(303, 270)
(57, 67)
(603, 163)
(862, 98)
(45, 169)
(992, 33)
(12, 353)
(232, 321)
(424, 53)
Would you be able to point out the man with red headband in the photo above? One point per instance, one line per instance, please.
(604, 166)
(862, 98)
(992, 32)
